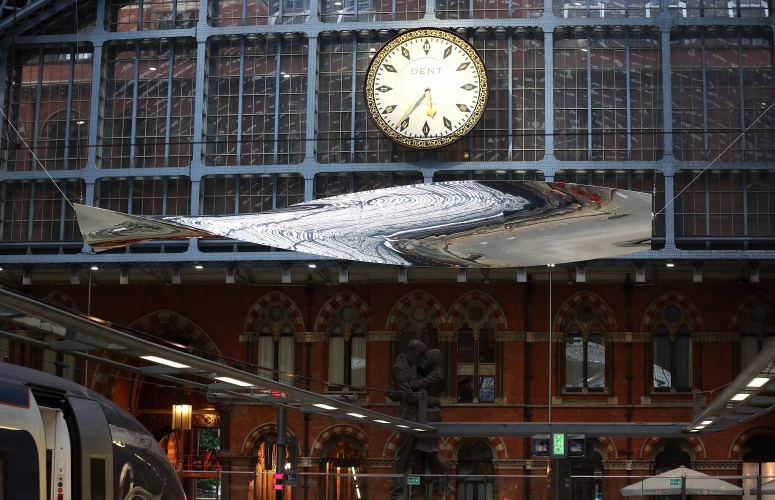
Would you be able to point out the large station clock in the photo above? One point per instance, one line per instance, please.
(426, 88)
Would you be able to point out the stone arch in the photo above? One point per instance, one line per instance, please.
(693, 445)
(333, 303)
(412, 298)
(672, 296)
(251, 318)
(161, 323)
(608, 446)
(496, 444)
(252, 440)
(61, 299)
(585, 296)
(735, 450)
(486, 299)
(737, 314)
(338, 430)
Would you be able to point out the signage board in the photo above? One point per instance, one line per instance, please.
(291, 478)
(674, 482)
(558, 445)
(413, 480)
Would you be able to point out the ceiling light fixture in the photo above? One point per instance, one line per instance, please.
(324, 406)
(740, 396)
(669, 263)
(234, 381)
(758, 382)
(166, 362)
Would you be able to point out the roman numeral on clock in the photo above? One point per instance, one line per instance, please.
(384, 88)
(389, 109)
(462, 107)
(390, 68)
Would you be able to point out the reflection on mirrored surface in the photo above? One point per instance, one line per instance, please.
(445, 224)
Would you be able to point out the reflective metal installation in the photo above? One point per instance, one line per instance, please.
(444, 224)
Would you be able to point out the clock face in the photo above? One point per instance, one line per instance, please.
(426, 88)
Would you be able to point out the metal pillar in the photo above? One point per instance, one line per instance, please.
(282, 428)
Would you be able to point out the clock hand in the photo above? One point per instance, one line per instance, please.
(429, 110)
(412, 108)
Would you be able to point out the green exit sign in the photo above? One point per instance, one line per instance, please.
(558, 445)
(413, 480)
(675, 482)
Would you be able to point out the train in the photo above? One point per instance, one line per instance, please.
(62, 441)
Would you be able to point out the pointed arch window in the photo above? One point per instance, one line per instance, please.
(587, 474)
(672, 349)
(347, 349)
(276, 344)
(476, 355)
(475, 471)
(757, 329)
(585, 348)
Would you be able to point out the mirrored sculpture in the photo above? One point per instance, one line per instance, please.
(444, 224)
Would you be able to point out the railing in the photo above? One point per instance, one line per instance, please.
(330, 486)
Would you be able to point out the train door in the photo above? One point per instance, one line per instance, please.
(59, 455)
(22, 444)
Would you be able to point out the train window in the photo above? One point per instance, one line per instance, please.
(19, 475)
(97, 479)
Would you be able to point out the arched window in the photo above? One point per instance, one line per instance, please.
(758, 460)
(672, 349)
(276, 344)
(347, 348)
(584, 348)
(475, 471)
(476, 354)
(587, 473)
(343, 464)
(757, 328)
(671, 457)
(262, 486)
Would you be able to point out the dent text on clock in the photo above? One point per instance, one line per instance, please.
(426, 71)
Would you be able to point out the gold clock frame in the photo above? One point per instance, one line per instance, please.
(438, 142)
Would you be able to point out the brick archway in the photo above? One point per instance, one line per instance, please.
(486, 299)
(251, 318)
(696, 448)
(735, 450)
(338, 430)
(60, 298)
(161, 323)
(672, 296)
(413, 298)
(585, 296)
(737, 314)
(333, 303)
